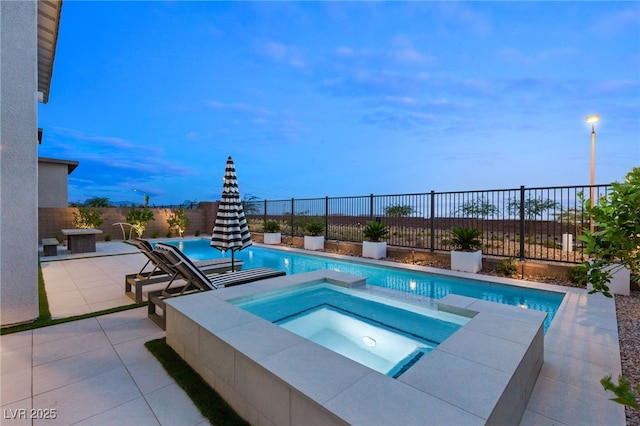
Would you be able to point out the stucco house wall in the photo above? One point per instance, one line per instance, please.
(53, 181)
(18, 162)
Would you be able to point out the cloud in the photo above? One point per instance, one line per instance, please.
(613, 23)
(518, 57)
(281, 53)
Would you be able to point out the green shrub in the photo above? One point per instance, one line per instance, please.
(107, 237)
(550, 244)
(271, 226)
(87, 217)
(140, 217)
(314, 227)
(196, 233)
(375, 231)
(577, 275)
(179, 220)
(507, 267)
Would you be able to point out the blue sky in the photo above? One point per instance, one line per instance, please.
(330, 98)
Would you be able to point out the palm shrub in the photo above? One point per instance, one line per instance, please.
(466, 239)
(375, 231)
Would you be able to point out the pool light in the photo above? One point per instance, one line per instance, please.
(369, 341)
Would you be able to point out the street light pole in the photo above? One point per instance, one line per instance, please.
(592, 119)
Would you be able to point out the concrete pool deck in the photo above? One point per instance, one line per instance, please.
(581, 347)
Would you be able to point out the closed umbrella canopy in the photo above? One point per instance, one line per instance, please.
(230, 231)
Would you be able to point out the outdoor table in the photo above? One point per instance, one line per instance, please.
(81, 240)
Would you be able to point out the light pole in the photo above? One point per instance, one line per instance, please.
(592, 119)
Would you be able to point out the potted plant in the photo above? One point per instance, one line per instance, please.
(272, 233)
(372, 247)
(467, 254)
(612, 246)
(315, 241)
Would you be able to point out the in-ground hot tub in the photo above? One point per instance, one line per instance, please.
(385, 336)
(482, 374)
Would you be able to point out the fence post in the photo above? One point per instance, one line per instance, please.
(370, 206)
(433, 221)
(326, 217)
(264, 216)
(292, 232)
(522, 224)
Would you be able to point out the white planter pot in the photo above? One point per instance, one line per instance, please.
(374, 250)
(620, 280)
(466, 261)
(313, 243)
(272, 237)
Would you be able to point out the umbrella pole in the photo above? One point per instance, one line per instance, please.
(233, 268)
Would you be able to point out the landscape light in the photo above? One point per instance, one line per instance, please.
(593, 119)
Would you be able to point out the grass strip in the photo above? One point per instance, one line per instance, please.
(207, 400)
(43, 302)
(46, 322)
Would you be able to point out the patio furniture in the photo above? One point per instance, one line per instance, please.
(196, 280)
(81, 240)
(124, 233)
(162, 271)
(50, 246)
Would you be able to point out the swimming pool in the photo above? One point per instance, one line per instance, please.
(421, 284)
(375, 333)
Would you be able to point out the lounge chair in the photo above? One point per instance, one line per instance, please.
(197, 280)
(162, 271)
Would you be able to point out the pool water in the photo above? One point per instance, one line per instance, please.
(375, 333)
(422, 284)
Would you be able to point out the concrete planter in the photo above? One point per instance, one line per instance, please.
(620, 280)
(374, 250)
(466, 261)
(313, 243)
(272, 237)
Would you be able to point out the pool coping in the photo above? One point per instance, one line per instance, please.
(483, 374)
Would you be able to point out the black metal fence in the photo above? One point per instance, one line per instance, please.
(532, 223)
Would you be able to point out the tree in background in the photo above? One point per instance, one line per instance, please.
(533, 209)
(97, 202)
(399, 210)
(477, 208)
(250, 204)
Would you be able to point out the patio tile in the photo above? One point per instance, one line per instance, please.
(65, 299)
(15, 360)
(172, 407)
(88, 397)
(65, 330)
(74, 369)
(574, 371)
(134, 351)
(16, 413)
(16, 340)
(132, 331)
(19, 388)
(572, 405)
(149, 375)
(122, 300)
(135, 412)
(68, 346)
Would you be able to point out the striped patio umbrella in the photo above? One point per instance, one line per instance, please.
(230, 231)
